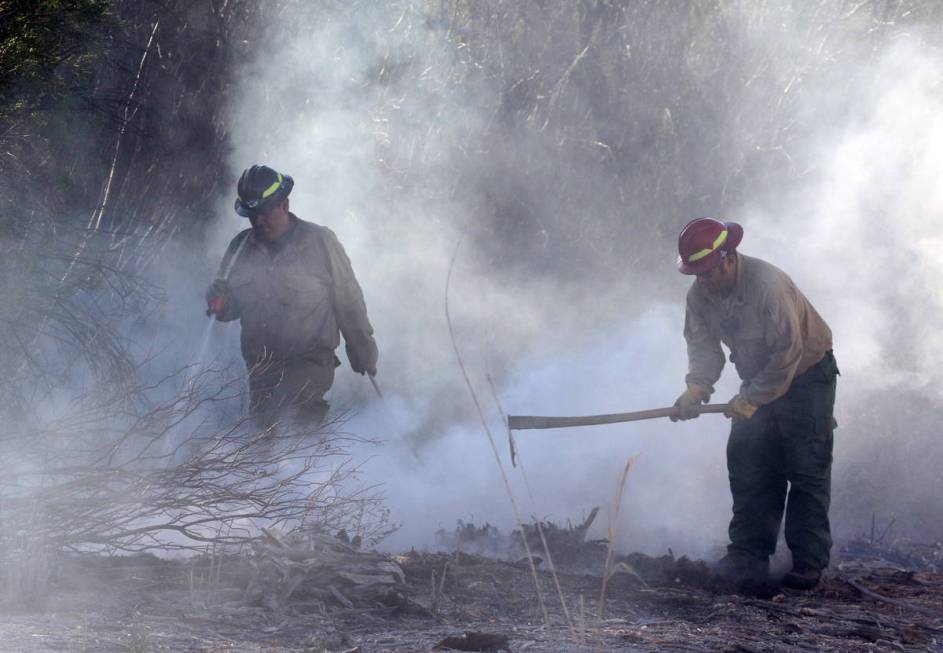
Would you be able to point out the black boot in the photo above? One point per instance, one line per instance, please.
(744, 575)
(736, 567)
(802, 577)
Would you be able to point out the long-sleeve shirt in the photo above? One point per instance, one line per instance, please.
(294, 300)
(773, 332)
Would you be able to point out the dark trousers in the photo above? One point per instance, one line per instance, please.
(291, 389)
(787, 444)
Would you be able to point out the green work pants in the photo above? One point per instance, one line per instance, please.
(292, 389)
(787, 443)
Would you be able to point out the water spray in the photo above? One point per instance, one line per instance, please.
(215, 305)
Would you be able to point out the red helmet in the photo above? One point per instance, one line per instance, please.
(705, 242)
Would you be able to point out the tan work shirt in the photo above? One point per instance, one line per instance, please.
(295, 302)
(774, 334)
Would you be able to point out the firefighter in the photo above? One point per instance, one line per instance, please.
(779, 453)
(291, 285)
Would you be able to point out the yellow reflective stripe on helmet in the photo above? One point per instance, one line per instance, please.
(720, 240)
(274, 187)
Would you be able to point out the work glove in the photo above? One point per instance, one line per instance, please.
(363, 358)
(740, 408)
(689, 400)
(216, 297)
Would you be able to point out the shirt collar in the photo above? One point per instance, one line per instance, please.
(285, 239)
(738, 295)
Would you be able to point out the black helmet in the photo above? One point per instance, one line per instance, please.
(260, 187)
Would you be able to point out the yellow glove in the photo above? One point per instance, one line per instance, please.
(740, 408)
(689, 400)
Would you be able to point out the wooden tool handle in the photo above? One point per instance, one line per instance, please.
(519, 422)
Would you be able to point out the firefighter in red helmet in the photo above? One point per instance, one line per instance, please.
(780, 443)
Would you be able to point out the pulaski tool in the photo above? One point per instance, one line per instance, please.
(522, 422)
(373, 382)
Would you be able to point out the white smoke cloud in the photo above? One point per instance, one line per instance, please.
(864, 233)
(859, 233)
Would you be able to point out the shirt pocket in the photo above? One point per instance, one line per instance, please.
(749, 351)
(302, 295)
(246, 294)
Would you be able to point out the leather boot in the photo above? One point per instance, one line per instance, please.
(802, 577)
(744, 575)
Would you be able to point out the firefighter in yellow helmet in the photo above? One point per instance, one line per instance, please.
(292, 287)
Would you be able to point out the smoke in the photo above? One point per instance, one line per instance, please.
(397, 131)
(861, 235)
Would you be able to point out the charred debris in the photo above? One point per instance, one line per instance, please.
(477, 594)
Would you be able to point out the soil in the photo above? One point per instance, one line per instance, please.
(868, 601)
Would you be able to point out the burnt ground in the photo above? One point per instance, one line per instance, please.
(870, 601)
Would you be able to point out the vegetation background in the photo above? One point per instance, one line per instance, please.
(599, 126)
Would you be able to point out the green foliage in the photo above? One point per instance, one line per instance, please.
(48, 49)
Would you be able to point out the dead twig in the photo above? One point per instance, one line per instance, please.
(438, 589)
(533, 501)
(601, 608)
(891, 601)
(494, 448)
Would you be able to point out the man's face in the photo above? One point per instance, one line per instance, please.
(272, 223)
(721, 279)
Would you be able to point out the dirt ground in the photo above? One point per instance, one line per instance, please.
(870, 601)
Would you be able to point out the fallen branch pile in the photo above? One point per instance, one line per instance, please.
(309, 571)
(109, 478)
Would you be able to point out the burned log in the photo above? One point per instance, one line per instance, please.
(567, 546)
